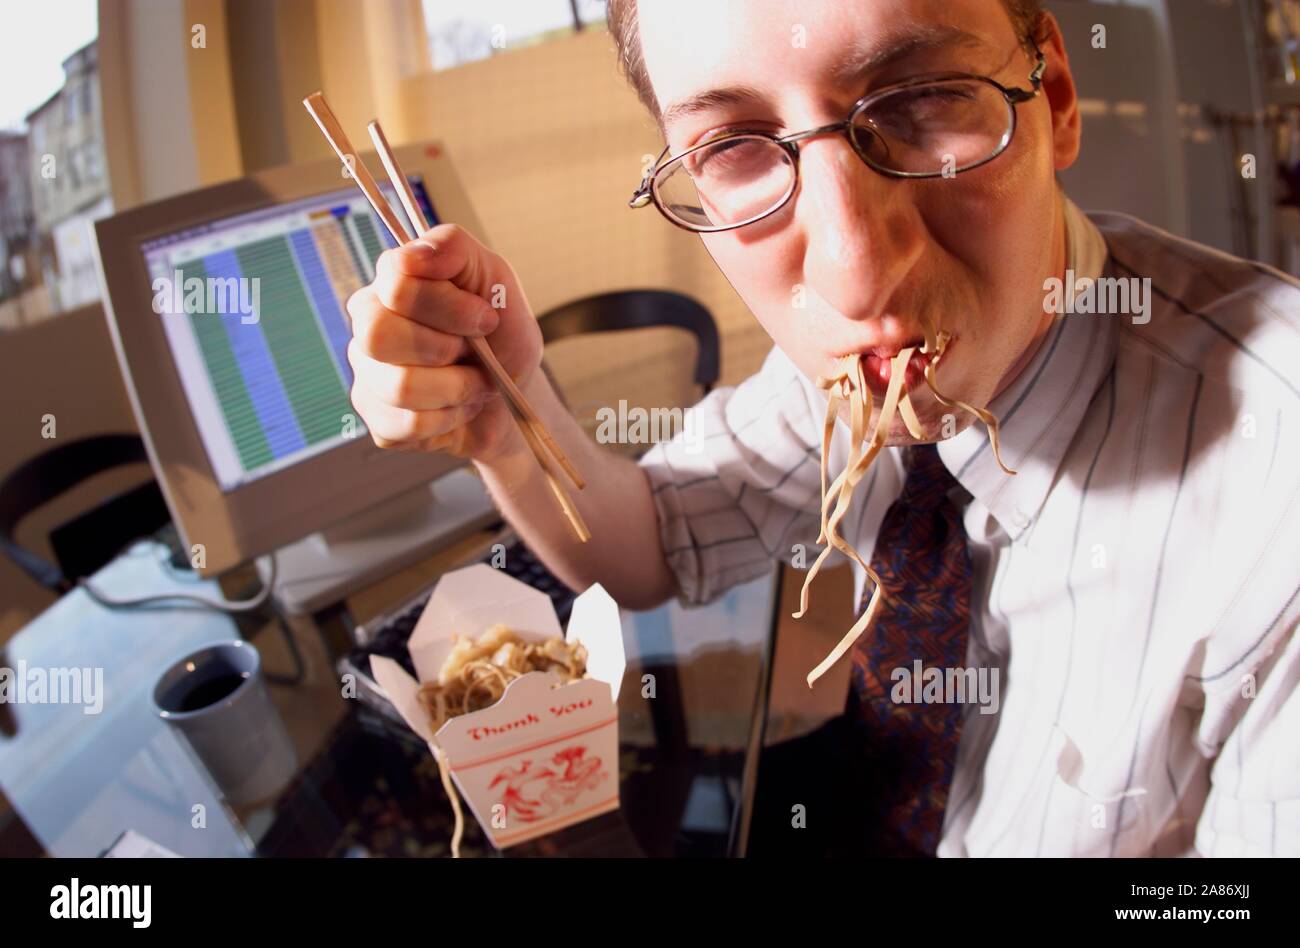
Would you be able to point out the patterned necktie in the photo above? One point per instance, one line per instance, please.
(922, 560)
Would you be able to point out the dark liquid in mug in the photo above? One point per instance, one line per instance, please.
(207, 692)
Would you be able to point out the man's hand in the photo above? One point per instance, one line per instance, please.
(418, 386)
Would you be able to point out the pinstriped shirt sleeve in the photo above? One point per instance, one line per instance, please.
(1140, 572)
(738, 487)
(1242, 502)
(1245, 675)
(1253, 808)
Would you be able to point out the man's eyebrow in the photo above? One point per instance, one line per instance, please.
(876, 56)
(706, 101)
(852, 68)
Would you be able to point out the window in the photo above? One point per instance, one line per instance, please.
(49, 90)
(75, 164)
(462, 31)
(94, 163)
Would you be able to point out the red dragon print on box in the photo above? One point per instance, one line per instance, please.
(536, 794)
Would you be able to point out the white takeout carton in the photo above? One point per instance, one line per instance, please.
(543, 757)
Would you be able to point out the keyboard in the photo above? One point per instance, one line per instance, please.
(388, 635)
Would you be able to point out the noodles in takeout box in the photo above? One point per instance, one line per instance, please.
(531, 751)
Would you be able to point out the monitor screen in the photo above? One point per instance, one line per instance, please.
(253, 307)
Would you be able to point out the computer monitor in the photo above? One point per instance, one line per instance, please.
(227, 307)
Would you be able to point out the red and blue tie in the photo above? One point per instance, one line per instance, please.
(925, 568)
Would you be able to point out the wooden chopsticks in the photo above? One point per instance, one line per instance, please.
(539, 440)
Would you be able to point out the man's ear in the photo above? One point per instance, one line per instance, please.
(1058, 86)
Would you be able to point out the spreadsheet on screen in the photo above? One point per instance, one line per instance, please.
(268, 388)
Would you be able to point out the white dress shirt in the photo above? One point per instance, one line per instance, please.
(1135, 584)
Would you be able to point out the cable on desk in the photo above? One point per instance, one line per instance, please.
(237, 605)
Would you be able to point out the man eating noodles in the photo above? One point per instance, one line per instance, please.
(877, 177)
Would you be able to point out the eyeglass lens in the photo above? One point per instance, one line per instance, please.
(932, 129)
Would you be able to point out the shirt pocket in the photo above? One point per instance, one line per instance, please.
(1089, 811)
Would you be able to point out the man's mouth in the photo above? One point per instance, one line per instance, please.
(878, 370)
(878, 366)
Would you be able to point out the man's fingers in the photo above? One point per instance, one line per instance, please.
(419, 388)
(392, 427)
(386, 336)
(445, 252)
(437, 304)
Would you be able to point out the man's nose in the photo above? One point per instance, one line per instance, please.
(862, 232)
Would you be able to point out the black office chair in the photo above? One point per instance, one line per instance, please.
(644, 309)
(87, 542)
(640, 309)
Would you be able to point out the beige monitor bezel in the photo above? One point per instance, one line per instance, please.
(286, 505)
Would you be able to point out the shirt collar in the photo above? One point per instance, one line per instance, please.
(1040, 412)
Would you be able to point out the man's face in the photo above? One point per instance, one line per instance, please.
(855, 259)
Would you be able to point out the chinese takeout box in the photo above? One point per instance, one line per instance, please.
(543, 757)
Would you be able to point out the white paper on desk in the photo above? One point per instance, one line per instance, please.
(132, 845)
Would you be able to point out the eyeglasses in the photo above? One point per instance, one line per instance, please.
(930, 127)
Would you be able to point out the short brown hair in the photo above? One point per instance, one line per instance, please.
(1026, 17)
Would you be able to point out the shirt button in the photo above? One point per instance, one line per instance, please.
(1019, 518)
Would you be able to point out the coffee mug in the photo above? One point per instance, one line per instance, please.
(216, 698)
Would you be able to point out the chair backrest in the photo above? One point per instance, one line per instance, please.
(640, 309)
(51, 473)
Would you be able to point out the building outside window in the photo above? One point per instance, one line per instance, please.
(53, 184)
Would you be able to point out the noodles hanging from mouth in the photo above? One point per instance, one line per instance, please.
(848, 381)
(937, 344)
